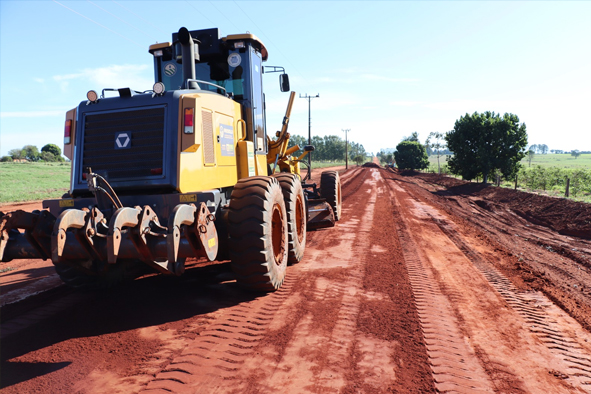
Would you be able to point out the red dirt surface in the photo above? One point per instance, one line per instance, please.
(425, 285)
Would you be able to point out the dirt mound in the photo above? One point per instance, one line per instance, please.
(371, 165)
(565, 216)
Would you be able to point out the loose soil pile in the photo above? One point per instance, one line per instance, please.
(565, 216)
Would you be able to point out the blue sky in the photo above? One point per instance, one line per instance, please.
(383, 69)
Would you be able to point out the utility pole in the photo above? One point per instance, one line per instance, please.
(309, 98)
(346, 149)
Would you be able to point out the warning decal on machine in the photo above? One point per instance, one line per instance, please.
(227, 140)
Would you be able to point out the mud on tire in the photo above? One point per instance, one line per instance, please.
(330, 189)
(295, 205)
(257, 226)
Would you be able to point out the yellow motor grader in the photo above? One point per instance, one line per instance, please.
(185, 170)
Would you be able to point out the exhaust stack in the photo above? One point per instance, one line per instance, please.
(188, 47)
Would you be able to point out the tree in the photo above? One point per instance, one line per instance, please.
(16, 154)
(48, 156)
(530, 155)
(359, 159)
(483, 143)
(576, 153)
(31, 152)
(53, 149)
(436, 141)
(411, 155)
(413, 137)
(5, 159)
(543, 149)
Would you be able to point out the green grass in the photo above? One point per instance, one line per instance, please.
(549, 160)
(560, 161)
(33, 181)
(324, 164)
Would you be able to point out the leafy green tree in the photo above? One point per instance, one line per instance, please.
(53, 149)
(359, 159)
(16, 154)
(436, 142)
(5, 159)
(31, 152)
(413, 137)
(575, 153)
(530, 155)
(48, 156)
(483, 143)
(411, 155)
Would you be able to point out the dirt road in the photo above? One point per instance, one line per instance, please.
(419, 288)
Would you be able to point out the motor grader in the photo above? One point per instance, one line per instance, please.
(184, 170)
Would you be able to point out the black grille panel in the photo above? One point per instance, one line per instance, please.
(146, 127)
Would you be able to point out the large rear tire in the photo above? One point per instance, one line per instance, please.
(257, 226)
(295, 205)
(330, 189)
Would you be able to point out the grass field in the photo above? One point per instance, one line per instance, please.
(33, 181)
(21, 182)
(549, 160)
(560, 161)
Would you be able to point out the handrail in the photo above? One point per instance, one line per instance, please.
(205, 82)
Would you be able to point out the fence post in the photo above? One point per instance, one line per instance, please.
(567, 187)
(498, 180)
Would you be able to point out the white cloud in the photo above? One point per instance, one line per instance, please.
(39, 80)
(115, 76)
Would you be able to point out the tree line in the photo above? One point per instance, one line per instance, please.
(48, 153)
(482, 144)
(331, 148)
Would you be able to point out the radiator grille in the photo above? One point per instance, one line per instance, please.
(146, 129)
(208, 146)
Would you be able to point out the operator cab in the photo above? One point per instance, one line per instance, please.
(230, 65)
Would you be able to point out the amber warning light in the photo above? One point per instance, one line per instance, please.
(67, 131)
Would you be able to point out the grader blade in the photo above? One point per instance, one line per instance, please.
(320, 215)
(34, 243)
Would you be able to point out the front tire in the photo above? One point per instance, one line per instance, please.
(330, 189)
(295, 205)
(257, 226)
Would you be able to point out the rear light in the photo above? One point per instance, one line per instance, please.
(67, 131)
(156, 171)
(188, 121)
(84, 175)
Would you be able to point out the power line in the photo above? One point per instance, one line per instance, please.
(133, 13)
(200, 13)
(213, 5)
(95, 22)
(115, 16)
(269, 41)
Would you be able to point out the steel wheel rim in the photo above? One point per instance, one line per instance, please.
(277, 234)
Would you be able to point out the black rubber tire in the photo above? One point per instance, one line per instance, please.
(330, 189)
(116, 274)
(295, 205)
(257, 226)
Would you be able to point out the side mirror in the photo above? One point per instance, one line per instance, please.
(284, 82)
(309, 148)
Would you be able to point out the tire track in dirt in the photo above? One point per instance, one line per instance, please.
(522, 341)
(317, 348)
(454, 364)
(540, 313)
(212, 361)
